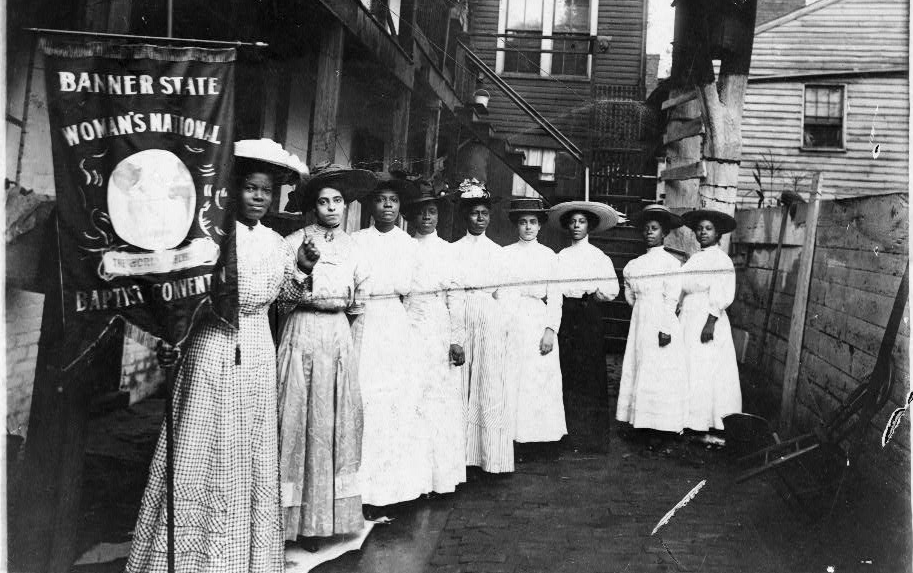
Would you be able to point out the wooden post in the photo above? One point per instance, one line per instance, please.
(326, 101)
(773, 282)
(800, 303)
(396, 147)
(431, 137)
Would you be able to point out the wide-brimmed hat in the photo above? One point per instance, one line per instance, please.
(407, 190)
(472, 191)
(249, 152)
(660, 213)
(607, 216)
(723, 222)
(353, 184)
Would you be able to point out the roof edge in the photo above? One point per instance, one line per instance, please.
(795, 14)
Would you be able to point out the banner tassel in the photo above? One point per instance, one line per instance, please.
(238, 354)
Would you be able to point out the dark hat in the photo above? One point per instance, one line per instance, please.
(523, 205)
(406, 189)
(723, 222)
(352, 183)
(427, 194)
(660, 213)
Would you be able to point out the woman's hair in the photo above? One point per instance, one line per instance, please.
(514, 217)
(467, 205)
(591, 219)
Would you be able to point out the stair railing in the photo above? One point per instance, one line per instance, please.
(569, 146)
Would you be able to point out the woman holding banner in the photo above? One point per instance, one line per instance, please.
(226, 487)
(319, 399)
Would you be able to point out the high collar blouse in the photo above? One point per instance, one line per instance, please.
(336, 275)
(387, 261)
(653, 278)
(435, 276)
(584, 269)
(709, 272)
(480, 263)
(532, 270)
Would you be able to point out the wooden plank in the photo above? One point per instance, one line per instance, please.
(800, 303)
(681, 129)
(326, 100)
(680, 99)
(395, 148)
(696, 170)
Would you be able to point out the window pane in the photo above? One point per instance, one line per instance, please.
(569, 57)
(522, 55)
(823, 116)
(572, 16)
(524, 15)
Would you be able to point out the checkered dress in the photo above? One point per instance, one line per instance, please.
(227, 515)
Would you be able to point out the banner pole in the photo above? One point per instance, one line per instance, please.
(168, 358)
(106, 35)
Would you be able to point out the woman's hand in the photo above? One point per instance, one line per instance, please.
(167, 355)
(308, 255)
(457, 356)
(548, 342)
(707, 331)
(664, 339)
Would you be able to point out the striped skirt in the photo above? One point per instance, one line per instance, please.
(489, 398)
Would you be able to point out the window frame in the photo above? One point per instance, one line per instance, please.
(546, 43)
(845, 92)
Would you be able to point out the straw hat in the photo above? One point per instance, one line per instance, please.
(353, 184)
(660, 213)
(527, 206)
(607, 216)
(287, 165)
(723, 222)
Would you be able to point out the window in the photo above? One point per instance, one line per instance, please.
(546, 37)
(538, 157)
(572, 17)
(523, 42)
(822, 121)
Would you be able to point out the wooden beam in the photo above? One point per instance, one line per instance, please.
(696, 170)
(396, 148)
(681, 129)
(800, 304)
(433, 119)
(368, 31)
(680, 99)
(326, 101)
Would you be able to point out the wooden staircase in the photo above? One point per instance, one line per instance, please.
(474, 118)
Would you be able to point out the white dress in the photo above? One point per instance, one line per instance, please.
(533, 302)
(435, 307)
(654, 379)
(487, 398)
(708, 284)
(395, 463)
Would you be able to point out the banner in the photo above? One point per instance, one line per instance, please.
(142, 141)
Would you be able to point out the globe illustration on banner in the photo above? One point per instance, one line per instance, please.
(151, 199)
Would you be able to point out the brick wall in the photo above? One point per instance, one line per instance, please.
(140, 375)
(861, 250)
(23, 325)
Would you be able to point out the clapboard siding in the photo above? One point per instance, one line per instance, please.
(830, 36)
(564, 102)
(834, 35)
(772, 126)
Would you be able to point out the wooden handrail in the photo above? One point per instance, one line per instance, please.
(569, 146)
